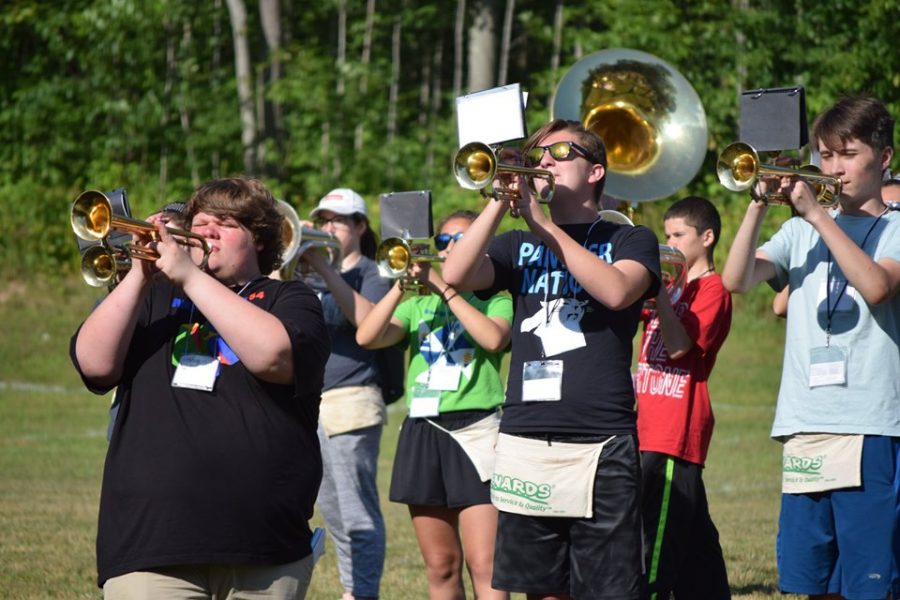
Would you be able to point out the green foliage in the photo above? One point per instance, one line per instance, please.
(142, 95)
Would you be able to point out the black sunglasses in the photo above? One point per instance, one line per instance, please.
(442, 240)
(558, 150)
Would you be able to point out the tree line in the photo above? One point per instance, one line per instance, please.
(158, 96)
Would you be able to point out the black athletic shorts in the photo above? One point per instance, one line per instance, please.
(431, 469)
(596, 558)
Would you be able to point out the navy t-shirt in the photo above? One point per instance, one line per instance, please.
(556, 319)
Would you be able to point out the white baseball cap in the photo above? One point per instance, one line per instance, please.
(341, 201)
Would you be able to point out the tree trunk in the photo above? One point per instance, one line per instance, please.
(184, 115)
(238, 14)
(504, 46)
(557, 38)
(394, 94)
(273, 122)
(339, 90)
(215, 159)
(458, 46)
(482, 47)
(366, 58)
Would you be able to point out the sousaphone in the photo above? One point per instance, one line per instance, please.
(648, 115)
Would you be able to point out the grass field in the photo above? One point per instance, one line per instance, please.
(52, 445)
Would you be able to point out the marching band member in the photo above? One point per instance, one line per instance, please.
(214, 465)
(567, 478)
(838, 410)
(675, 419)
(352, 413)
(445, 451)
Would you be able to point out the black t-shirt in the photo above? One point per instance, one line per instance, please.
(222, 477)
(556, 319)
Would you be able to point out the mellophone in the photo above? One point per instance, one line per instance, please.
(93, 220)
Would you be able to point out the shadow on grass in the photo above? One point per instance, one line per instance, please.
(768, 588)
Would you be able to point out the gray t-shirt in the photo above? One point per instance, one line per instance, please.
(869, 403)
(349, 363)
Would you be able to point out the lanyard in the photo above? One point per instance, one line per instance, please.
(829, 309)
(193, 332)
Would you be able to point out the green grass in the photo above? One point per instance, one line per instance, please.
(52, 445)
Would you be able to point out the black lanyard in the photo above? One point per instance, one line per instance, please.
(829, 309)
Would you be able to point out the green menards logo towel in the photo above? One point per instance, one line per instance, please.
(807, 465)
(534, 492)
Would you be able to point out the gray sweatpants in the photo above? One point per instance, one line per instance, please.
(348, 501)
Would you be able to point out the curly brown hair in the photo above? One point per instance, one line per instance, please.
(249, 202)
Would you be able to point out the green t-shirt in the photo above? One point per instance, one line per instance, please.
(437, 338)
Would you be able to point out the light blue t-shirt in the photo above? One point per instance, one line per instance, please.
(869, 403)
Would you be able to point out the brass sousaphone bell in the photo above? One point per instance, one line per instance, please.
(648, 115)
(652, 124)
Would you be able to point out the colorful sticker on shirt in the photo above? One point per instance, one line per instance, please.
(201, 339)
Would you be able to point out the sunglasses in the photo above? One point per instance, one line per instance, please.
(558, 150)
(442, 240)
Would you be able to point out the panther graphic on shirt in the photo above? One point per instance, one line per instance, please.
(558, 324)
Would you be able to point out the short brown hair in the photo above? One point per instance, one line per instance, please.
(251, 204)
(861, 117)
(590, 140)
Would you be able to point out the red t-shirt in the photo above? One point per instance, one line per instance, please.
(674, 413)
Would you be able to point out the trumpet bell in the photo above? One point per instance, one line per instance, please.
(393, 257)
(739, 168)
(297, 239)
(475, 165)
(100, 266)
(648, 115)
(674, 271)
(91, 215)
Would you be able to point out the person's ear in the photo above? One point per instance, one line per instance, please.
(708, 238)
(887, 154)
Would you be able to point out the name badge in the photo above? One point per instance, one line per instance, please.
(444, 377)
(196, 372)
(542, 380)
(425, 402)
(827, 366)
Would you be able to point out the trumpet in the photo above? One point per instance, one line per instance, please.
(93, 219)
(102, 265)
(298, 239)
(394, 256)
(671, 261)
(739, 168)
(476, 165)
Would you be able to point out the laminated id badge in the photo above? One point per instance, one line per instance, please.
(542, 380)
(196, 372)
(827, 366)
(425, 402)
(444, 377)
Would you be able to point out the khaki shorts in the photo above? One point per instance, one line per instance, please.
(270, 582)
